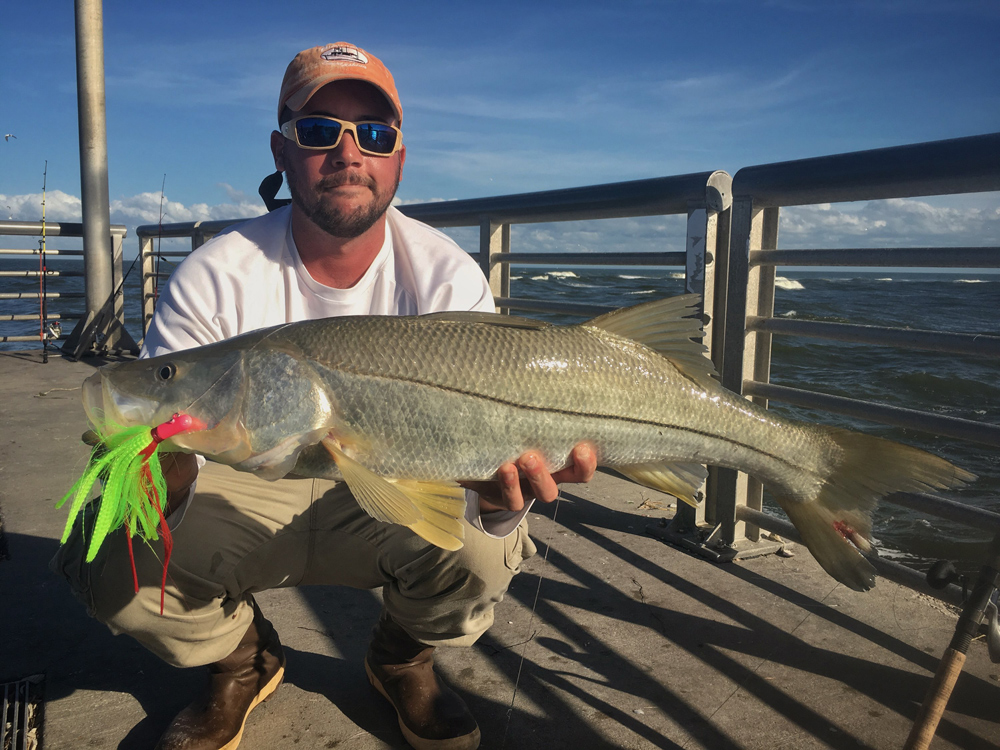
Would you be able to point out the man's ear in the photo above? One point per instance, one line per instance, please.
(278, 150)
(402, 160)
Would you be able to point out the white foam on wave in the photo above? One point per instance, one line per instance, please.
(789, 314)
(784, 283)
(563, 274)
(516, 278)
(885, 279)
(971, 281)
(543, 277)
(678, 275)
(624, 276)
(643, 291)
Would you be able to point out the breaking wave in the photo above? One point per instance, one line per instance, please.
(784, 283)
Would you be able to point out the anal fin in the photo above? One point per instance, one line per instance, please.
(432, 510)
(681, 480)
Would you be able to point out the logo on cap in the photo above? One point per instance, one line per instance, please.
(344, 53)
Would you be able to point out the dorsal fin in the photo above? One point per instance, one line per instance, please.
(664, 326)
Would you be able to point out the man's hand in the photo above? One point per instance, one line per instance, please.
(180, 470)
(528, 478)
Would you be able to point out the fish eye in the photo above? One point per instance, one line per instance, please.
(166, 372)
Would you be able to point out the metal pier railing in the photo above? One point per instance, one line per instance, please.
(704, 197)
(957, 166)
(50, 321)
(738, 287)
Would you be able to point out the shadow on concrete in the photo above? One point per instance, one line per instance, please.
(50, 632)
(708, 640)
(56, 355)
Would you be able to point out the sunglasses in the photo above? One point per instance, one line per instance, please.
(320, 132)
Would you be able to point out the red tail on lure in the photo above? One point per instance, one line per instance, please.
(134, 489)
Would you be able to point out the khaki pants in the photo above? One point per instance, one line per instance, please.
(239, 535)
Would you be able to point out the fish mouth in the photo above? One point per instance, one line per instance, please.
(110, 410)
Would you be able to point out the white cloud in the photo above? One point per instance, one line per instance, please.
(894, 222)
(59, 206)
(132, 211)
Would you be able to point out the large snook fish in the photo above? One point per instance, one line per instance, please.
(401, 407)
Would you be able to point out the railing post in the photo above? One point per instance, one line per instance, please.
(115, 333)
(707, 235)
(149, 284)
(494, 242)
(750, 292)
(197, 236)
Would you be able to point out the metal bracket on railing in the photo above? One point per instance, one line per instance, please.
(992, 633)
(91, 336)
(704, 541)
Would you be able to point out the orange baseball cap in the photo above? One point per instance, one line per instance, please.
(313, 68)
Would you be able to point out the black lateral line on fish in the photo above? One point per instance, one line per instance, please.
(615, 417)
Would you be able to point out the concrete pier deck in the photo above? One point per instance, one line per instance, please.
(632, 643)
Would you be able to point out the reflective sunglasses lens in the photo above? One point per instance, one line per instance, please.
(314, 132)
(378, 138)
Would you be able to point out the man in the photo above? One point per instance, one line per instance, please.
(339, 249)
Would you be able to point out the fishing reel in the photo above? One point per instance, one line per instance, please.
(941, 574)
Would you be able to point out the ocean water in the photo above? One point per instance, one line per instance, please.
(960, 386)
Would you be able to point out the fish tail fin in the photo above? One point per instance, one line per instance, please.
(835, 523)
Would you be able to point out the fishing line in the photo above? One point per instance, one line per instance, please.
(159, 238)
(534, 604)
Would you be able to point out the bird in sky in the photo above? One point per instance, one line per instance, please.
(8, 136)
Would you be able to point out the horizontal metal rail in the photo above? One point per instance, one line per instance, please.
(48, 316)
(52, 229)
(963, 429)
(36, 274)
(171, 253)
(876, 257)
(975, 344)
(39, 252)
(185, 228)
(36, 295)
(566, 308)
(659, 195)
(942, 507)
(959, 165)
(893, 571)
(594, 259)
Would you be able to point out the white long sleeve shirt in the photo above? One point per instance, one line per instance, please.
(252, 277)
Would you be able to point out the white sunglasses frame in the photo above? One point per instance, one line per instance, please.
(289, 131)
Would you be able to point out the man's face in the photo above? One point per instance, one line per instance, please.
(341, 190)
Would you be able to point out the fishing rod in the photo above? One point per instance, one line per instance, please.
(978, 606)
(42, 272)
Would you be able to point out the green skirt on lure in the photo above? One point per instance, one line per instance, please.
(133, 487)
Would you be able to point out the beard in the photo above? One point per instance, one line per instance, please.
(335, 221)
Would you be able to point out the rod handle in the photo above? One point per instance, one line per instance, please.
(925, 725)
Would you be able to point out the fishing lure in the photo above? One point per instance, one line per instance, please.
(134, 489)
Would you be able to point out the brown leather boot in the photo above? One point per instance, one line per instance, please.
(237, 684)
(431, 715)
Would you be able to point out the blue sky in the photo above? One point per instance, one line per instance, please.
(512, 98)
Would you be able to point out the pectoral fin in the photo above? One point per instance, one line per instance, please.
(681, 480)
(432, 510)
